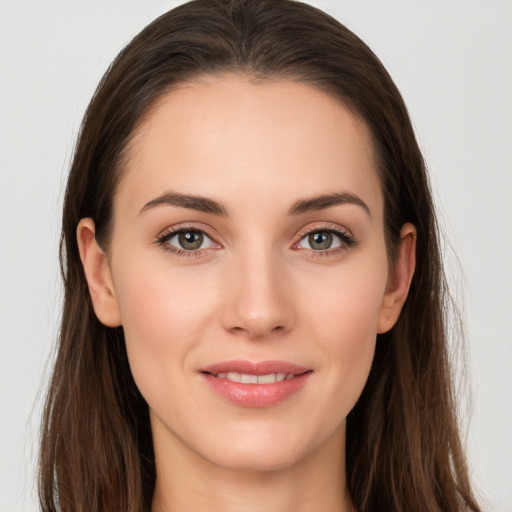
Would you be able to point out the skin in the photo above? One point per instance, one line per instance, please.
(256, 292)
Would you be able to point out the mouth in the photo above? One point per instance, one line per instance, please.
(263, 384)
(247, 378)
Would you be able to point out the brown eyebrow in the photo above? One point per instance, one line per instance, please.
(199, 203)
(326, 201)
(206, 205)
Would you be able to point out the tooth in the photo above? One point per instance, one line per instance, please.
(245, 378)
(234, 376)
(249, 379)
(267, 379)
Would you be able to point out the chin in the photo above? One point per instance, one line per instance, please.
(250, 460)
(266, 449)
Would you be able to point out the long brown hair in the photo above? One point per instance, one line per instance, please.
(403, 447)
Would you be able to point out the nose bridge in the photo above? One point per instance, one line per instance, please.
(258, 301)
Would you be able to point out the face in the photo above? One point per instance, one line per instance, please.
(249, 269)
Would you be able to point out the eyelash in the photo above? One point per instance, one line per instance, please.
(347, 240)
(162, 240)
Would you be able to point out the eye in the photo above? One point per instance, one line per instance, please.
(186, 239)
(325, 241)
(321, 241)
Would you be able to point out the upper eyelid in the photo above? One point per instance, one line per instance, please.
(335, 228)
(175, 229)
(215, 237)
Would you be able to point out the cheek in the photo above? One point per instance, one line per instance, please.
(162, 318)
(345, 319)
(347, 302)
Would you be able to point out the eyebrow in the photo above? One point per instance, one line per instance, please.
(326, 201)
(203, 204)
(192, 202)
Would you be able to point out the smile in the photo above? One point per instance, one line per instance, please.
(246, 378)
(248, 384)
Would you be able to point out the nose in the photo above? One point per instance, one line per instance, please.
(258, 299)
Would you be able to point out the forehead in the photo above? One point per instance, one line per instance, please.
(230, 135)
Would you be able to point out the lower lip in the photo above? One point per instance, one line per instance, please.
(257, 395)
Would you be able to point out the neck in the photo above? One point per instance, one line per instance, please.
(186, 482)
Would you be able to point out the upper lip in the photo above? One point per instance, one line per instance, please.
(255, 368)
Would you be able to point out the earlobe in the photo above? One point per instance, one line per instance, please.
(399, 280)
(98, 275)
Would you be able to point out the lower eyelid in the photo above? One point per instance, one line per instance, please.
(182, 253)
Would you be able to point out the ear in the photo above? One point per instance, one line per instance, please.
(399, 279)
(98, 275)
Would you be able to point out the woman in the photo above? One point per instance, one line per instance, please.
(254, 298)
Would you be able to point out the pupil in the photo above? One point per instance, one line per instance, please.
(320, 240)
(191, 240)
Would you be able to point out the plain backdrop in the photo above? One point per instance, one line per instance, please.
(451, 59)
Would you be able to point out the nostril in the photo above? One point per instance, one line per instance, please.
(255, 316)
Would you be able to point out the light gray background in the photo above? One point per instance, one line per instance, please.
(451, 59)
